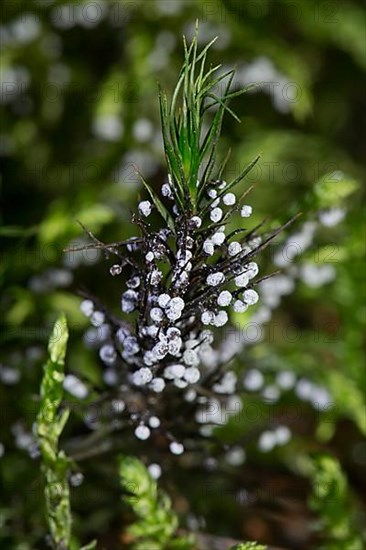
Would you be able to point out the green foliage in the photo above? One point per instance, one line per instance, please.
(156, 523)
(186, 141)
(249, 546)
(50, 424)
(337, 513)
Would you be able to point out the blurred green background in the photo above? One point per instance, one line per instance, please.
(79, 112)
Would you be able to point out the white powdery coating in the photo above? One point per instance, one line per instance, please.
(164, 300)
(157, 385)
(250, 297)
(108, 354)
(192, 375)
(154, 422)
(166, 190)
(156, 314)
(234, 248)
(196, 221)
(174, 371)
(154, 470)
(215, 203)
(142, 432)
(216, 215)
(239, 306)
(87, 307)
(191, 358)
(215, 279)
(208, 247)
(145, 208)
(212, 193)
(142, 376)
(149, 256)
(241, 280)
(221, 319)
(229, 199)
(246, 211)
(218, 238)
(207, 317)
(73, 385)
(176, 448)
(224, 298)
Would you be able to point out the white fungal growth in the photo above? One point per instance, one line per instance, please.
(129, 301)
(142, 432)
(218, 238)
(154, 470)
(108, 354)
(131, 346)
(212, 193)
(145, 208)
(246, 211)
(191, 358)
(163, 300)
(215, 279)
(221, 319)
(97, 318)
(224, 298)
(142, 376)
(75, 387)
(174, 371)
(239, 306)
(229, 199)
(241, 280)
(216, 215)
(166, 190)
(157, 385)
(156, 314)
(252, 270)
(154, 422)
(234, 248)
(196, 222)
(250, 297)
(192, 375)
(173, 333)
(208, 247)
(176, 448)
(87, 307)
(155, 277)
(150, 256)
(208, 317)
